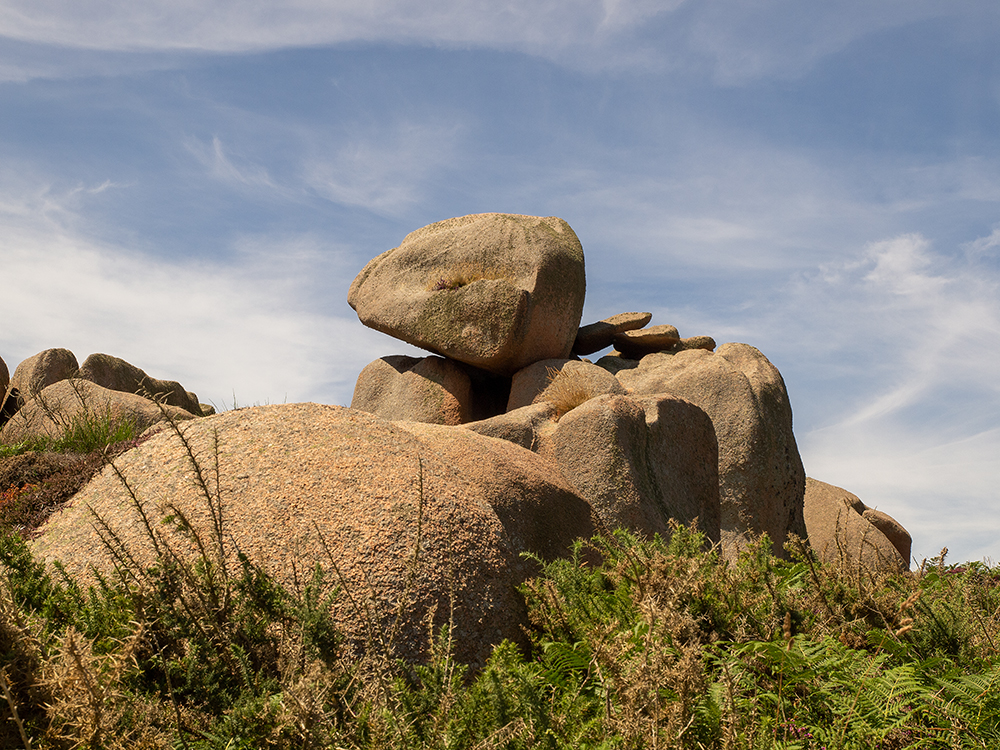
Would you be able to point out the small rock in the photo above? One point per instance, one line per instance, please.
(596, 336)
(636, 344)
(615, 362)
(695, 342)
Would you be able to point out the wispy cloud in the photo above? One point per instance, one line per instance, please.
(252, 326)
(737, 41)
(387, 169)
(237, 172)
(910, 338)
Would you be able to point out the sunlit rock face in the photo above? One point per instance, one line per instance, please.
(495, 291)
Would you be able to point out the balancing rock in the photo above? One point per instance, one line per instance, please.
(496, 291)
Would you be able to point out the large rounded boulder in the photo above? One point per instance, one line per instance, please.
(417, 519)
(761, 478)
(38, 372)
(844, 531)
(496, 291)
(641, 462)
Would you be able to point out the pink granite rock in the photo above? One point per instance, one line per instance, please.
(496, 291)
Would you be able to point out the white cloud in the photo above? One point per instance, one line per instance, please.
(223, 166)
(735, 40)
(248, 327)
(916, 335)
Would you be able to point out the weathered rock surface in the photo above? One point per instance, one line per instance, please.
(427, 389)
(304, 482)
(893, 530)
(61, 404)
(42, 370)
(640, 462)
(562, 382)
(496, 291)
(761, 479)
(116, 374)
(615, 363)
(5, 411)
(840, 532)
(435, 390)
(600, 335)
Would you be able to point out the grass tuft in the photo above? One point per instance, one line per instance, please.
(567, 389)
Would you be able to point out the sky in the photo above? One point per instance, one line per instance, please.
(192, 186)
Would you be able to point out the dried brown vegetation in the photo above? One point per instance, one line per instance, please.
(567, 389)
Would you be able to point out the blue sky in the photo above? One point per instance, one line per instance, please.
(193, 186)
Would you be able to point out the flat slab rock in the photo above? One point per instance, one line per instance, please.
(496, 291)
(646, 341)
(600, 335)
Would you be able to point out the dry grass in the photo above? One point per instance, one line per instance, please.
(463, 274)
(567, 389)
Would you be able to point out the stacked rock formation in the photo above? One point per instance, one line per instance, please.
(502, 441)
(663, 428)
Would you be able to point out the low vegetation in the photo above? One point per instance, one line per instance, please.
(661, 645)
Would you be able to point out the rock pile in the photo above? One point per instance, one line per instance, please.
(657, 411)
(50, 390)
(504, 440)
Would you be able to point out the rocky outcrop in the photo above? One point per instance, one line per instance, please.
(843, 531)
(496, 291)
(4, 376)
(116, 374)
(482, 290)
(440, 523)
(425, 496)
(428, 389)
(761, 479)
(69, 402)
